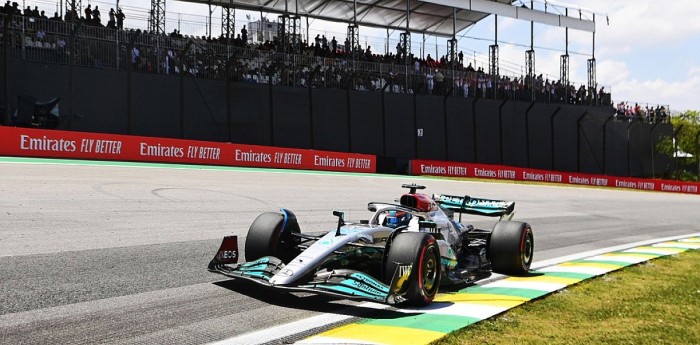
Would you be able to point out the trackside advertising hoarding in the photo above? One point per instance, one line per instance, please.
(27, 142)
(454, 169)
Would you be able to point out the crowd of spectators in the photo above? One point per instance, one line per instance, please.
(322, 62)
(627, 113)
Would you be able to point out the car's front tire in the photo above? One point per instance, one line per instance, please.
(268, 235)
(422, 252)
(511, 247)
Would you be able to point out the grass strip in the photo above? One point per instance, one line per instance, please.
(657, 302)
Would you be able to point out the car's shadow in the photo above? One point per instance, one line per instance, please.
(326, 304)
(296, 300)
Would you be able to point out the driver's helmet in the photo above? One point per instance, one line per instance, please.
(395, 219)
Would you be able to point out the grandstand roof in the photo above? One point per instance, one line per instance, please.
(425, 17)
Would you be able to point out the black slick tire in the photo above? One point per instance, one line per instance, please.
(267, 238)
(422, 252)
(511, 247)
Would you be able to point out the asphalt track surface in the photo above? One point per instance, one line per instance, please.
(117, 254)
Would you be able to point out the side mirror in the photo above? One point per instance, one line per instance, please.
(341, 220)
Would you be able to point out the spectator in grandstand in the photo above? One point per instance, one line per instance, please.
(15, 9)
(120, 19)
(481, 83)
(439, 82)
(461, 85)
(430, 62)
(96, 19)
(460, 58)
(135, 57)
(88, 14)
(244, 36)
(581, 94)
(111, 23)
(429, 80)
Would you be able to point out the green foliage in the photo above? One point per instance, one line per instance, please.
(687, 127)
(688, 134)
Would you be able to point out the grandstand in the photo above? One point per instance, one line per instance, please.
(287, 61)
(206, 53)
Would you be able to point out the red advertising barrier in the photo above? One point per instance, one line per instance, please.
(454, 169)
(27, 142)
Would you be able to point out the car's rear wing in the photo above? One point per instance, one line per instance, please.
(477, 206)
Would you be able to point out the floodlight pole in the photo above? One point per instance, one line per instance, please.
(493, 58)
(564, 64)
(530, 58)
(74, 7)
(592, 83)
(228, 20)
(406, 38)
(156, 20)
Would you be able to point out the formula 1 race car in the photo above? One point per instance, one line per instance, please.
(402, 254)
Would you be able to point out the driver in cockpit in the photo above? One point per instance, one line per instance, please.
(395, 219)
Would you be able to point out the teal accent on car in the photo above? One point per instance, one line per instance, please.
(351, 291)
(449, 263)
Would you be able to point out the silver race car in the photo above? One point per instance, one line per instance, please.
(402, 254)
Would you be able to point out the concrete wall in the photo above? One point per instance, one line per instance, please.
(542, 136)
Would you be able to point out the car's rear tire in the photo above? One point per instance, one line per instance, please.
(422, 251)
(511, 247)
(267, 236)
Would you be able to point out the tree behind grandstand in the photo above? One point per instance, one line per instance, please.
(685, 149)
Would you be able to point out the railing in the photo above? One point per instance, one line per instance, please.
(54, 41)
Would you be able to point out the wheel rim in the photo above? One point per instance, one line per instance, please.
(429, 271)
(527, 250)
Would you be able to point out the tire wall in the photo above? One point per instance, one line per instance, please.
(543, 136)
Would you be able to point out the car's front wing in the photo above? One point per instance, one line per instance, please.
(341, 283)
